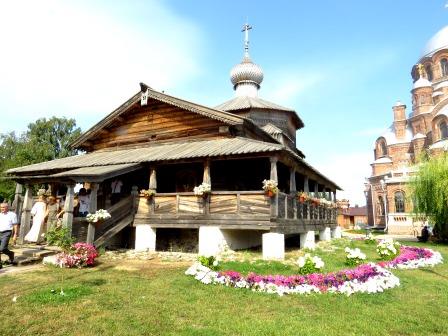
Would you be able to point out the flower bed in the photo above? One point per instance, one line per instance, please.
(414, 257)
(79, 255)
(367, 278)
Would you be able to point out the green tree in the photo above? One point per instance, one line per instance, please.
(45, 139)
(430, 192)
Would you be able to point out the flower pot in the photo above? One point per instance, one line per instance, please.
(270, 193)
(301, 199)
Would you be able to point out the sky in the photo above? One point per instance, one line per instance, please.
(340, 65)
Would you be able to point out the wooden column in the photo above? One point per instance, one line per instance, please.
(293, 190)
(292, 181)
(306, 188)
(26, 214)
(274, 177)
(152, 178)
(206, 177)
(17, 203)
(92, 209)
(67, 219)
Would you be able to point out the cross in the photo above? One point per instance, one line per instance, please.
(246, 29)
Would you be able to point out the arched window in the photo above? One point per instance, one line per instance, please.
(399, 201)
(443, 129)
(383, 148)
(444, 66)
(380, 206)
(428, 70)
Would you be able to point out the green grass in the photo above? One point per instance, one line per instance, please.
(364, 232)
(156, 298)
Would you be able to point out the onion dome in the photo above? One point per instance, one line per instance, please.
(247, 76)
(421, 82)
(246, 72)
(438, 42)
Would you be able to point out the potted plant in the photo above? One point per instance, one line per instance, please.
(270, 187)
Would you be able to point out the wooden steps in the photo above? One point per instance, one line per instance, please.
(120, 225)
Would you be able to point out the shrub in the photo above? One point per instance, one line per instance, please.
(308, 264)
(209, 261)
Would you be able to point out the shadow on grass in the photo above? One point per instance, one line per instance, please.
(431, 271)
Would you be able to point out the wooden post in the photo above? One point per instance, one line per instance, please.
(292, 181)
(67, 219)
(92, 209)
(316, 195)
(26, 214)
(206, 177)
(306, 188)
(274, 177)
(293, 190)
(17, 203)
(152, 178)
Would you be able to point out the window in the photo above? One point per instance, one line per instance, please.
(428, 70)
(399, 201)
(443, 129)
(380, 206)
(444, 66)
(382, 148)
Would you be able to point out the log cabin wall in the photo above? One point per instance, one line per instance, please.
(156, 122)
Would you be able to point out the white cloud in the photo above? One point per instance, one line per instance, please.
(286, 87)
(349, 171)
(74, 59)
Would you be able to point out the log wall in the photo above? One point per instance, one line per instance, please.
(154, 122)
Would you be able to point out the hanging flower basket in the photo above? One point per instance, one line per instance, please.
(270, 187)
(147, 193)
(302, 197)
(203, 190)
(98, 217)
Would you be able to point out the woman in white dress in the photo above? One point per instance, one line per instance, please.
(38, 212)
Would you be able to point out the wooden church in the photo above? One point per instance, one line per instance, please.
(169, 146)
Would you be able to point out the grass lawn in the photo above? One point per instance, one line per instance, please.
(132, 297)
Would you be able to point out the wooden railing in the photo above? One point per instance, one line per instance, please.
(118, 211)
(223, 207)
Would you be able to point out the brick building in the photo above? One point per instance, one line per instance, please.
(423, 130)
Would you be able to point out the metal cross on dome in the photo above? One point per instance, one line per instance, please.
(246, 29)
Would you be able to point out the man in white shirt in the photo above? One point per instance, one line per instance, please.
(8, 227)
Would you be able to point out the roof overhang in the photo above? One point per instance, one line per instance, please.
(83, 174)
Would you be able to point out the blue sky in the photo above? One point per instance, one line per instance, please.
(340, 64)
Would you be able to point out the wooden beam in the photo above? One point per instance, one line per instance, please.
(67, 219)
(26, 214)
(92, 209)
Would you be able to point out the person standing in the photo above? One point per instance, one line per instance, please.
(8, 227)
(38, 211)
(115, 187)
(84, 202)
(53, 212)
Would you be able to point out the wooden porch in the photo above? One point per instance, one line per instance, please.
(238, 210)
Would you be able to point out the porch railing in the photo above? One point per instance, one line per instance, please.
(228, 204)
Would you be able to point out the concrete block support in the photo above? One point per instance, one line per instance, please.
(273, 246)
(211, 240)
(325, 234)
(336, 232)
(307, 240)
(145, 238)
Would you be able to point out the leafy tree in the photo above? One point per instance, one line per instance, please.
(45, 139)
(430, 193)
